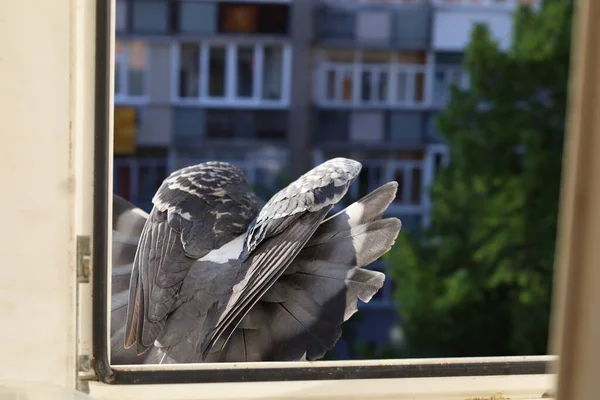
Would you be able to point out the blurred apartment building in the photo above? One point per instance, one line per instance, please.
(277, 86)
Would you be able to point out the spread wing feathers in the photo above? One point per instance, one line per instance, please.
(196, 209)
(127, 224)
(300, 316)
(320, 187)
(281, 229)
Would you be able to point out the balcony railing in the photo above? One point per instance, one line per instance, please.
(342, 85)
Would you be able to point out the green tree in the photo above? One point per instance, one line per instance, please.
(478, 281)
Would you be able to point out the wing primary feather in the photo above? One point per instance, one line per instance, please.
(268, 262)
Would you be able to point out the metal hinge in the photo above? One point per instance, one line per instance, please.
(84, 259)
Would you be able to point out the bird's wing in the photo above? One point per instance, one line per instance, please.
(300, 316)
(196, 209)
(281, 229)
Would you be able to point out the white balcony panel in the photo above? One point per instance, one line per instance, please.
(452, 28)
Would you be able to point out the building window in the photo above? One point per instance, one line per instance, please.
(189, 70)
(254, 18)
(150, 16)
(131, 61)
(237, 75)
(371, 79)
(217, 56)
(409, 175)
(374, 84)
(245, 67)
(196, 17)
(238, 18)
(272, 72)
(121, 16)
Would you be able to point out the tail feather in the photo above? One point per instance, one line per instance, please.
(367, 209)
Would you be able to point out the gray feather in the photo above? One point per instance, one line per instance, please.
(285, 298)
(196, 210)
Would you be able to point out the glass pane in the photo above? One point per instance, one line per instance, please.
(415, 192)
(238, 18)
(330, 84)
(121, 16)
(383, 86)
(347, 86)
(273, 19)
(119, 49)
(272, 72)
(402, 86)
(117, 75)
(189, 70)
(366, 86)
(217, 63)
(137, 68)
(150, 16)
(245, 71)
(197, 17)
(145, 189)
(123, 181)
(419, 87)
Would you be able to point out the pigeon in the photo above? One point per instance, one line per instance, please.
(215, 274)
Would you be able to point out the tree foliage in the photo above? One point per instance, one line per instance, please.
(478, 281)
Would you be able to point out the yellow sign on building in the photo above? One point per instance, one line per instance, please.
(125, 128)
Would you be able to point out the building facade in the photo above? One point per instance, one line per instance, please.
(277, 86)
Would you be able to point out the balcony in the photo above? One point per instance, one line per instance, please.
(352, 85)
(221, 73)
(402, 25)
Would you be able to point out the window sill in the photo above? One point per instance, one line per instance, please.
(522, 387)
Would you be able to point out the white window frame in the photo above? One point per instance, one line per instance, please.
(230, 99)
(393, 68)
(122, 97)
